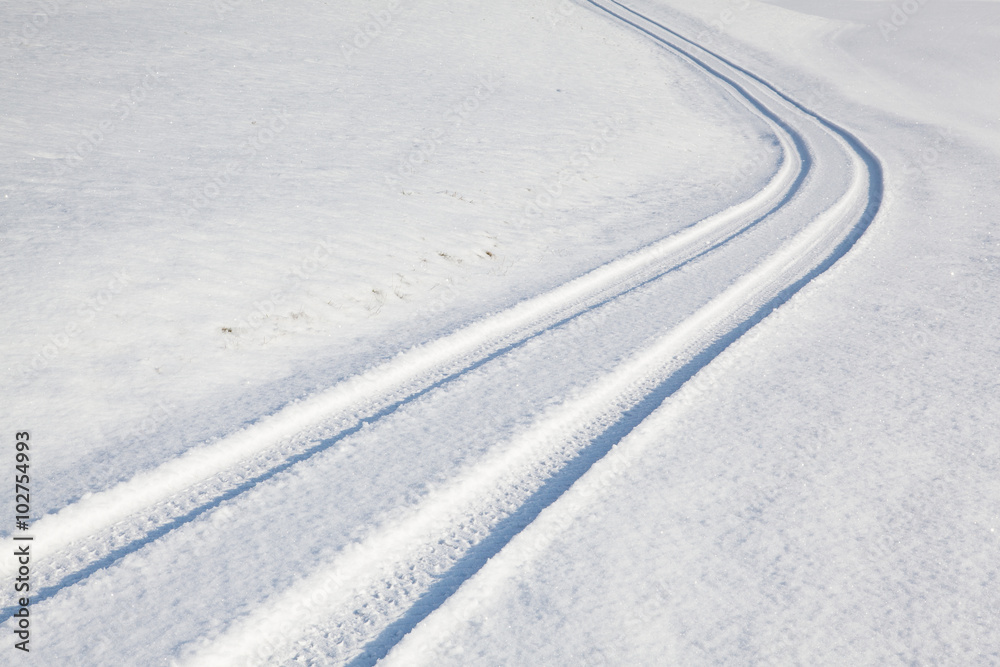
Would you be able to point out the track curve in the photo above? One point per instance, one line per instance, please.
(474, 518)
(408, 550)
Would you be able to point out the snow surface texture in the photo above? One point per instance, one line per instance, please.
(446, 333)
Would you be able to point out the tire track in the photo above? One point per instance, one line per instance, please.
(104, 527)
(377, 591)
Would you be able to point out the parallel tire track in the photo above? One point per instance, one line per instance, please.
(125, 518)
(376, 591)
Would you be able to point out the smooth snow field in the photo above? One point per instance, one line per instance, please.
(569, 332)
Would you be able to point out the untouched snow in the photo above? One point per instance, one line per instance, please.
(451, 342)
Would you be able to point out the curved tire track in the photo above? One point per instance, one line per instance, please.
(114, 523)
(378, 590)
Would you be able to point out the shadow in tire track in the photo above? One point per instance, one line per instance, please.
(478, 555)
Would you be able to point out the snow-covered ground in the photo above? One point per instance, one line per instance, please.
(652, 332)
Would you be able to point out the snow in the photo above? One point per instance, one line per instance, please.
(463, 356)
(354, 269)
